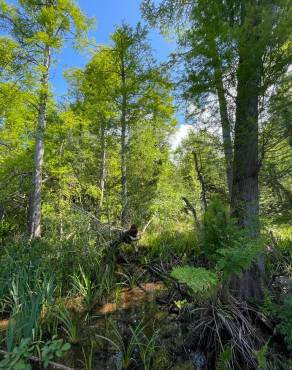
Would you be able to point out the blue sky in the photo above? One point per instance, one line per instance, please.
(108, 14)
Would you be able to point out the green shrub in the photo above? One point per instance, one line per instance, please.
(226, 247)
(218, 230)
(18, 358)
(5, 230)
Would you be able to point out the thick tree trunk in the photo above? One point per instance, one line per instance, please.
(35, 201)
(245, 193)
(245, 189)
(102, 169)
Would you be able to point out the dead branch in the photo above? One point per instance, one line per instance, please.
(193, 211)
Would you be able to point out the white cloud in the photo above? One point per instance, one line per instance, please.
(181, 133)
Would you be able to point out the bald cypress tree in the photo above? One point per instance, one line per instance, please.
(40, 28)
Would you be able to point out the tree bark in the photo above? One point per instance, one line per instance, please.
(224, 117)
(124, 195)
(35, 201)
(226, 132)
(102, 169)
(245, 189)
(201, 180)
(193, 211)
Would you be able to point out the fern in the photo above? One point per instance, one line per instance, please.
(224, 359)
(261, 355)
(198, 280)
(285, 315)
(235, 260)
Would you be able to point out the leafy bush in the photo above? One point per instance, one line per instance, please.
(5, 229)
(225, 246)
(198, 280)
(218, 230)
(53, 348)
(18, 359)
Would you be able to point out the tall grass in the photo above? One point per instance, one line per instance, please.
(171, 242)
(27, 299)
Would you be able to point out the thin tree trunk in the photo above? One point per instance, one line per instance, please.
(35, 202)
(124, 213)
(224, 117)
(102, 169)
(2, 212)
(201, 180)
(193, 211)
(60, 193)
(226, 132)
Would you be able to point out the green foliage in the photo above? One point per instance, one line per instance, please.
(225, 359)
(84, 286)
(198, 280)
(261, 356)
(219, 230)
(181, 304)
(164, 243)
(17, 359)
(147, 348)
(88, 358)
(237, 259)
(224, 244)
(285, 315)
(53, 348)
(138, 341)
(5, 229)
(28, 297)
(125, 348)
(71, 324)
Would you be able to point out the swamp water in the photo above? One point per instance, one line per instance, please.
(135, 332)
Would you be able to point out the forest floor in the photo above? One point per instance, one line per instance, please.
(133, 314)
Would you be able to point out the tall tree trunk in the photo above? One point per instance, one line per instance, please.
(226, 132)
(35, 201)
(224, 117)
(201, 179)
(245, 189)
(60, 193)
(102, 168)
(124, 213)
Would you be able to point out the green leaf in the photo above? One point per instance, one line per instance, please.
(198, 279)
